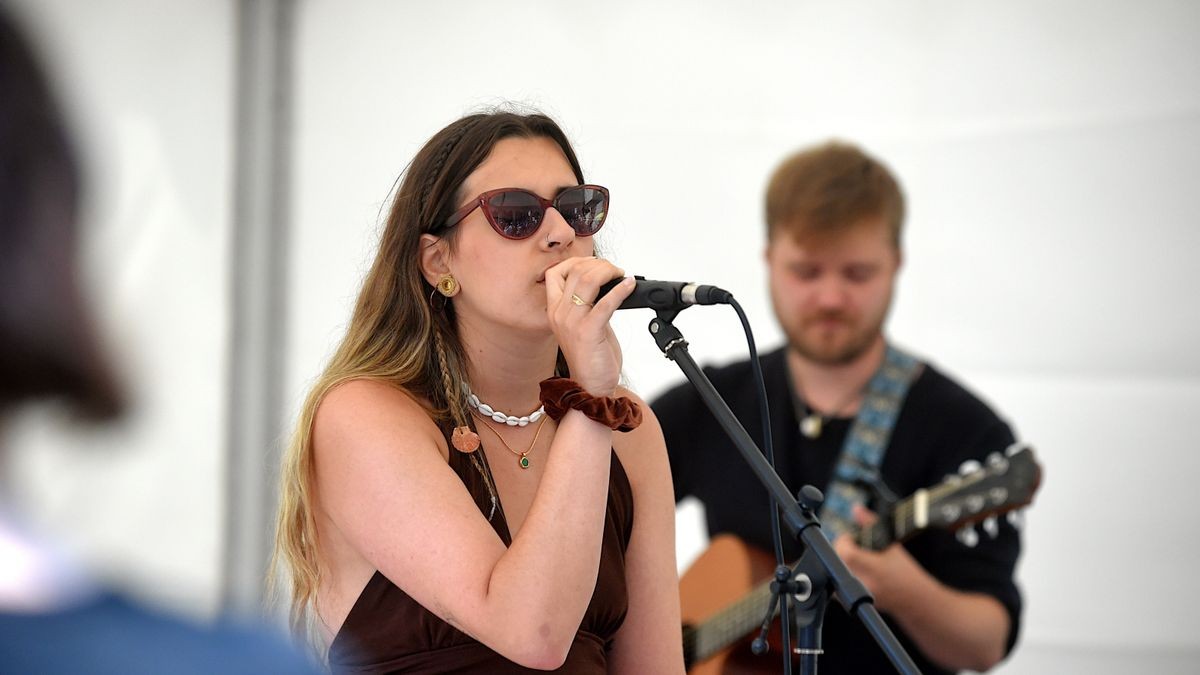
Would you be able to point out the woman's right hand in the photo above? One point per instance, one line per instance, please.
(580, 322)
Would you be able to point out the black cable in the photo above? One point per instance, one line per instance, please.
(769, 450)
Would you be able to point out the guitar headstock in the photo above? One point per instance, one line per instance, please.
(1005, 482)
(981, 492)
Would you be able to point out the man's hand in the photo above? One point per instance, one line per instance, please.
(891, 574)
(956, 629)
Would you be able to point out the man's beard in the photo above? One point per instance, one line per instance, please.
(842, 352)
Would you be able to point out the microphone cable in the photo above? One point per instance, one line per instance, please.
(769, 450)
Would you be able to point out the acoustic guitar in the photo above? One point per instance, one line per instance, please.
(723, 594)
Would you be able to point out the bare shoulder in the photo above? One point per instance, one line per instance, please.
(642, 451)
(366, 413)
(365, 432)
(368, 393)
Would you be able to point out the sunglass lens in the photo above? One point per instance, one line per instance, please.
(516, 214)
(584, 209)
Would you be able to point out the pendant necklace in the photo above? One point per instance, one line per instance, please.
(812, 422)
(522, 457)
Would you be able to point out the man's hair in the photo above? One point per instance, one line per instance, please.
(831, 187)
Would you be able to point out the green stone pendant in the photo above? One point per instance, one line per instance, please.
(524, 462)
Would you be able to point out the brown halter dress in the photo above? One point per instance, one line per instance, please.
(387, 631)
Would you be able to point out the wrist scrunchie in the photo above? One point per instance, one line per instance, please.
(560, 395)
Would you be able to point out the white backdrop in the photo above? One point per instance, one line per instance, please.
(1049, 151)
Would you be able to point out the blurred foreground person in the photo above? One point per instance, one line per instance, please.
(53, 618)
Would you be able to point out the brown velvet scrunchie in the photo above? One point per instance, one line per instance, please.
(560, 395)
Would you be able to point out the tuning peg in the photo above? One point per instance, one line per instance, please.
(968, 536)
(1016, 519)
(969, 467)
(991, 527)
(952, 479)
(975, 503)
(950, 512)
(1015, 448)
(998, 462)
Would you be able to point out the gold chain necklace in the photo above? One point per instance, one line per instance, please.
(522, 457)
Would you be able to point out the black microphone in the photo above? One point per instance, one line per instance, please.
(668, 295)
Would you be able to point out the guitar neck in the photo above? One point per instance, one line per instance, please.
(741, 618)
(901, 524)
(727, 626)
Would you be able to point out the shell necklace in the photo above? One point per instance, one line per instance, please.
(500, 417)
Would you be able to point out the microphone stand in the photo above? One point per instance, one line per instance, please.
(820, 570)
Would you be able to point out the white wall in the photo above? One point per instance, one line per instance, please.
(1049, 151)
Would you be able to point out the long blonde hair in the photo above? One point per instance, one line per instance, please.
(394, 334)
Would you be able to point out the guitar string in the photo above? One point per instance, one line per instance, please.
(722, 626)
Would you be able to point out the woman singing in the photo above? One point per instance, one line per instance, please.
(469, 488)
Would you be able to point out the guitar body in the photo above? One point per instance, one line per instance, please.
(721, 576)
(724, 594)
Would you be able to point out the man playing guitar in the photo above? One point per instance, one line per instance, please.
(847, 406)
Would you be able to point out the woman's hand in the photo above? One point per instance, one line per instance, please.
(581, 323)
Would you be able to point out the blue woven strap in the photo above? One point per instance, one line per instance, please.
(867, 440)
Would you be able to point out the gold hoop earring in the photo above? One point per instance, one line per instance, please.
(447, 285)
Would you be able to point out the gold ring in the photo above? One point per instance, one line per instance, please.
(579, 301)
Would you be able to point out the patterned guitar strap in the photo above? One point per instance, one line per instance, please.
(867, 440)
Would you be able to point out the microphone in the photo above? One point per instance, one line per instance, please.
(668, 295)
